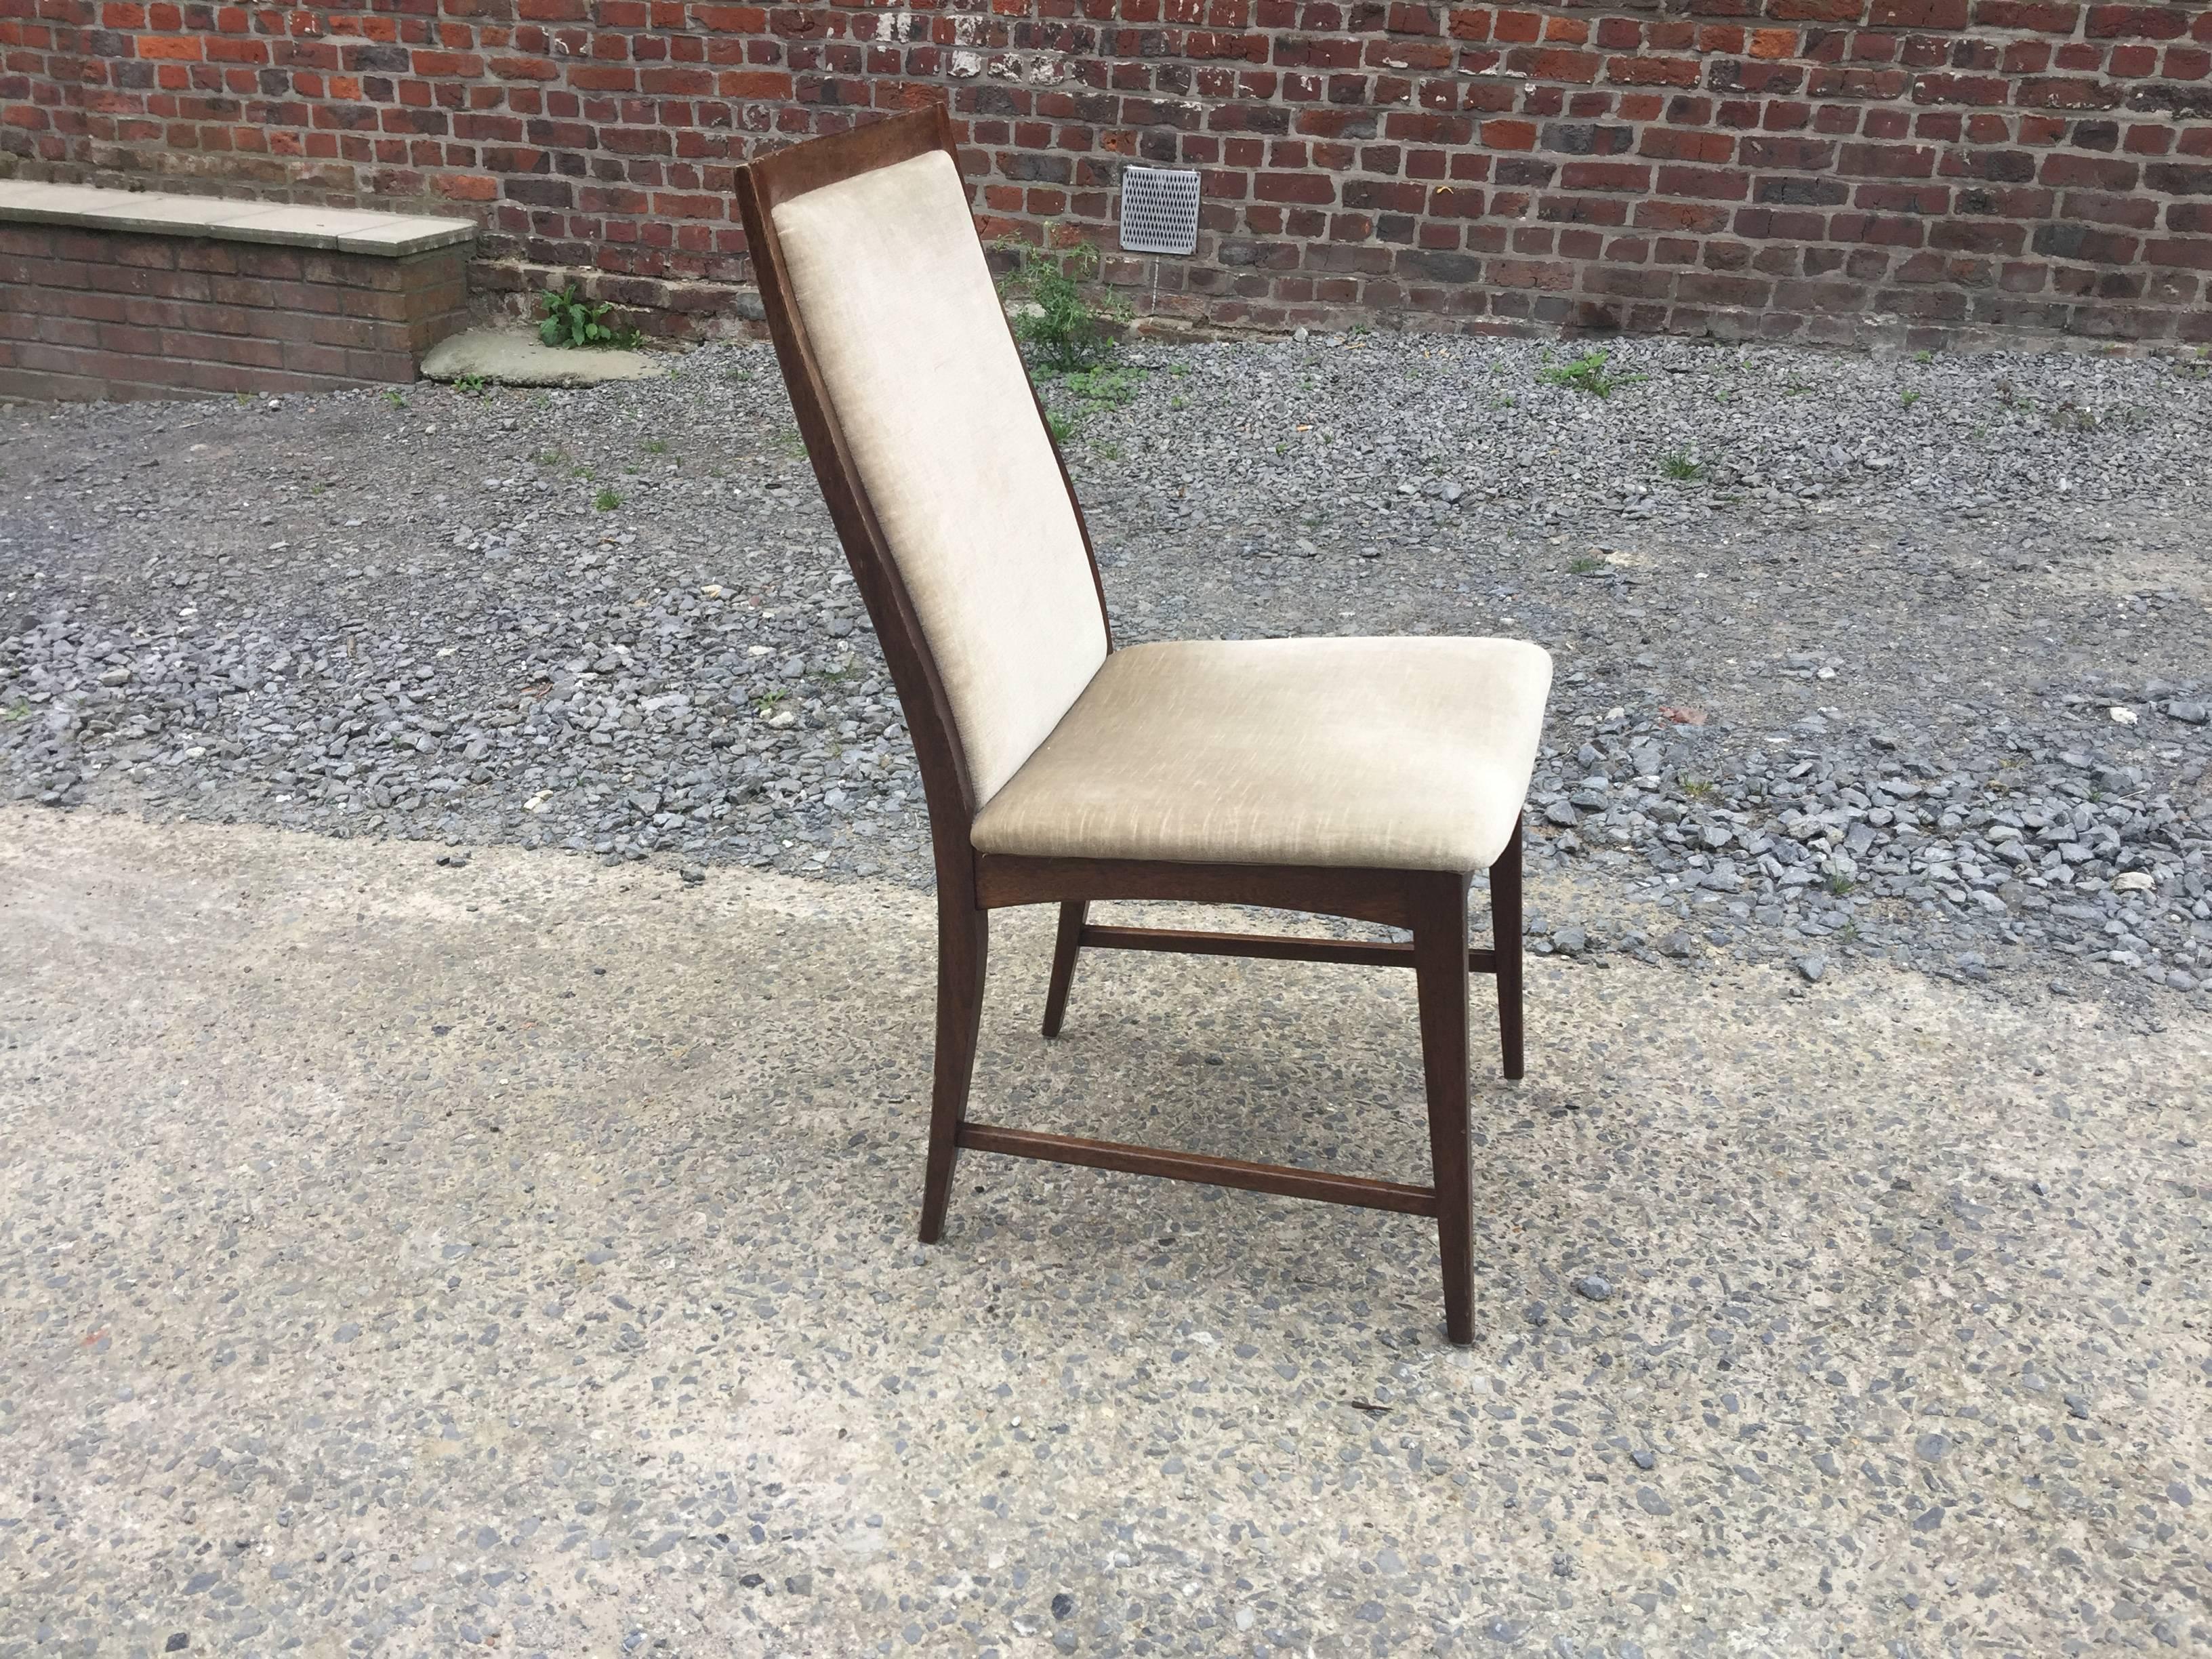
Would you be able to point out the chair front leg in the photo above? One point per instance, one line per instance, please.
(963, 942)
(1505, 929)
(1071, 912)
(1440, 974)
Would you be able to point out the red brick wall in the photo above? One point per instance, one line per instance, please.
(1838, 170)
(86, 314)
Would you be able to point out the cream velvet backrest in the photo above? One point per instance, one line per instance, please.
(936, 410)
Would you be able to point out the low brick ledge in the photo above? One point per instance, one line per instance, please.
(109, 294)
(155, 213)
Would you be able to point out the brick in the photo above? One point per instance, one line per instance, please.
(2136, 23)
(2190, 253)
(2080, 242)
(2042, 16)
(1919, 13)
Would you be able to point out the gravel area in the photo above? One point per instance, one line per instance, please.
(1858, 657)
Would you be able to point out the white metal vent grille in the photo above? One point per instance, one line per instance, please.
(1159, 210)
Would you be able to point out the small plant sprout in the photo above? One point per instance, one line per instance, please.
(1909, 399)
(469, 385)
(1103, 386)
(656, 446)
(1680, 468)
(1588, 373)
(606, 500)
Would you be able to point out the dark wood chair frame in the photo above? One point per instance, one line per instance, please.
(1432, 905)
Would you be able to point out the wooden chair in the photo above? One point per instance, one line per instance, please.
(1345, 777)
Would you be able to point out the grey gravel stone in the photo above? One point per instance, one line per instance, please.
(1594, 1288)
(569, 619)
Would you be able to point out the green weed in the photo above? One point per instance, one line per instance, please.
(1103, 386)
(1056, 319)
(567, 318)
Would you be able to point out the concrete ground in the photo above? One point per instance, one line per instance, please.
(404, 1258)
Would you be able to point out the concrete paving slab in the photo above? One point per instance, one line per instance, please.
(516, 356)
(416, 1257)
(154, 212)
(347, 231)
(27, 201)
(403, 236)
(228, 218)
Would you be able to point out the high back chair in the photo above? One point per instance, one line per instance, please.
(1362, 778)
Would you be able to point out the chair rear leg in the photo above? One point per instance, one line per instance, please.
(1064, 948)
(1505, 927)
(963, 940)
(1440, 973)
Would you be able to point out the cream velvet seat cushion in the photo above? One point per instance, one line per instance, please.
(1406, 754)
(936, 408)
